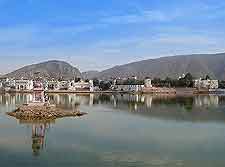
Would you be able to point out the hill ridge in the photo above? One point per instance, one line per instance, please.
(171, 66)
(48, 69)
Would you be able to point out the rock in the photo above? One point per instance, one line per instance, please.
(26, 112)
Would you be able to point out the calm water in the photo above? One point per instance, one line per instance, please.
(128, 130)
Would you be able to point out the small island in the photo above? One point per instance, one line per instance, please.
(42, 112)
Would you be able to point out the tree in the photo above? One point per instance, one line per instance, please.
(77, 79)
(156, 82)
(168, 82)
(207, 77)
(95, 82)
(104, 85)
(188, 77)
(188, 80)
(222, 84)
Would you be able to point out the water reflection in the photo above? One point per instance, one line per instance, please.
(197, 108)
(38, 137)
(121, 129)
(206, 101)
(12, 99)
(133, 102)
(38, 131)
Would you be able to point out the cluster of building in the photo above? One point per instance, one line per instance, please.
(70, 85)
(8, 84)
(131, 87)
(206, 84)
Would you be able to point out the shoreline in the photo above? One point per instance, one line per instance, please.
(175, 91)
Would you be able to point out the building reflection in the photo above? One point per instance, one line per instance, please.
(146, 102)
(38, 134)
(210, 100)
(71, 101)
(38, 138)
(12, 99)
(133, 102)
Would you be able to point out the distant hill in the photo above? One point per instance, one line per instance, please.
(174, 66)
(89, 74)
(50, 69)
(198, 65)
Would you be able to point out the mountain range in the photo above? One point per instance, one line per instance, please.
(50, 69)
(198, 65)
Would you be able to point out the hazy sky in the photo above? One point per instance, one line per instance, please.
(97, 34)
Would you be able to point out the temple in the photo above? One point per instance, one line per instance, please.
(39, 96)
(38, 92)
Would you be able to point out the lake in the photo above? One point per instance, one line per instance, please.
(119, 130)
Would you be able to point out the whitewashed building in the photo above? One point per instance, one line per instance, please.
(63, 85)
(22, 85)
(132, 87)
(81, 86)
(129, 88)
(7, 83)
(53, 85)
(207, 84)
(148, 83)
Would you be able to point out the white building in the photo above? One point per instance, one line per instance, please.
(63, 85)
(22, 84)
(53, 85)
(148, 83)
(81, 86)
(207, 84)
(129, 88)
(7, 83)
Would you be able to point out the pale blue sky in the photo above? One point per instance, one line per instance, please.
(93, 34)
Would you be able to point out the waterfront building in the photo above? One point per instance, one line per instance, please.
(148, 83)
(63, 85)
(71, 85)
(53, 85)
(3, 79)
(22, 85)
(207, 84)
(81, 86)
(7, 83)
(129, 88)
(123, 85)
(38, 92)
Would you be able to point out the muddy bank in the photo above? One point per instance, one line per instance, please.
(42, 113)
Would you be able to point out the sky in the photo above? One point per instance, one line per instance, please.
(99, 34)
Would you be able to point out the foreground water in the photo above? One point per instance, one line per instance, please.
(119, 130)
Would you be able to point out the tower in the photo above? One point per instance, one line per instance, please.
(38, 90)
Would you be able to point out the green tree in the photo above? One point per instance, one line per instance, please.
(104, 85)
(188, 80)
(95, 82)
(77, 79)
(207, 77)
